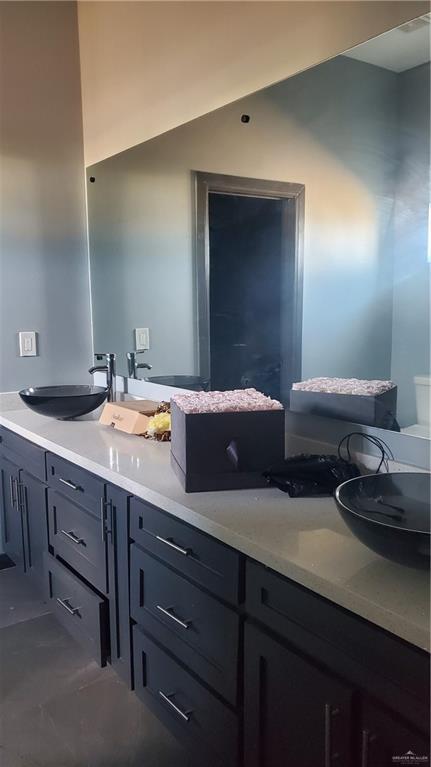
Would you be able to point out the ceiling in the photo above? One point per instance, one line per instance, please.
(400, 49)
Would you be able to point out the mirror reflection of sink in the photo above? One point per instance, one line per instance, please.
(390, 513)
(194, 383)
(63, 402)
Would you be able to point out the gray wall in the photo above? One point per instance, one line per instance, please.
(44, 275)
(411, 306)
(330, 128)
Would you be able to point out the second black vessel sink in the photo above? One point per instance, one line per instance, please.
(390, 513)
(64, 401)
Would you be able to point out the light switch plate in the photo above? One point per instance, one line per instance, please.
(142, 339)
(27, 343)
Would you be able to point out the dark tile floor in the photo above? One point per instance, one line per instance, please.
(57, 707)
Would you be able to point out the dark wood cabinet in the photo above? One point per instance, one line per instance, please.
(312, 668)
(89, 532)
(191, 624)
(24, 519)
(76, 484)
(82, 611)
(205, 726)
(199, 557)
(117, 521)
(247, 667)
(12, 513)
(34, 521)
(385, 739)
(23, 453)
(79, 538)
(294, 712)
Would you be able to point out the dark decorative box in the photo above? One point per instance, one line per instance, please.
(225, 451)
(370, 410)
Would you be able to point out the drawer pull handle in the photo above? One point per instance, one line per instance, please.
(105, 530)
(20, 494)
(329, 713)
(69, 534)
(365, 748)
(367, 739)
(68, 483)
(12, 496)
(65, 603)
(168, 612)
(167, 698)
(169, 542)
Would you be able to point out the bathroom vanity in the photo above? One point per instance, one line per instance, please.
(242, 619)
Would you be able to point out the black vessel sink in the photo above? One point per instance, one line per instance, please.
(390, 513)
(63, 401)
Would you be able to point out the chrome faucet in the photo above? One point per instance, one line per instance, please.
(133, 365)
(109, 369)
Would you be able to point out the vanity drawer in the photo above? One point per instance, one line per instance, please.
(77, 484)
(205, 725)
(23, 453)
(199, 630)
(299, 615)
(83, 613)
(202, 559)
(77, 537)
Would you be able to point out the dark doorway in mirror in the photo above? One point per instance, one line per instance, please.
(249, 247)
(245, 244)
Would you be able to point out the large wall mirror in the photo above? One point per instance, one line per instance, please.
(280, 238)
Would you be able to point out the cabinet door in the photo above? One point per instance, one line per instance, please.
(295, 714)
(33, 495)
(385, 740)
(82, 611)
(117, 525)
(12, 514)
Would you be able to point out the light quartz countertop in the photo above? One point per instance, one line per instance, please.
(303, 539)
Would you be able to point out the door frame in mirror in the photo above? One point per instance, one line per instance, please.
(293, 251)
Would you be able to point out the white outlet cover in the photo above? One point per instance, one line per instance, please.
(142, 339)
(27, 343)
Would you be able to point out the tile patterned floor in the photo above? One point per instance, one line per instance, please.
(57, 707)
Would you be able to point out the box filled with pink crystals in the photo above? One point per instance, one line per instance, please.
(225, 440)
(369, 402)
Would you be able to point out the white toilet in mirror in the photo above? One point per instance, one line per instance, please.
(423, 408)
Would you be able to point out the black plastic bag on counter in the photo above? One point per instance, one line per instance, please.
(302, 476)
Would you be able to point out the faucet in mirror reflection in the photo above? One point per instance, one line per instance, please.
(133, 365)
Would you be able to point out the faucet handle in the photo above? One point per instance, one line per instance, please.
(131, 355)
(107, 355)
